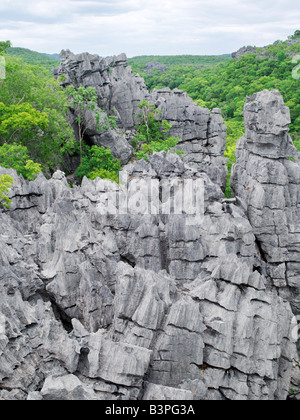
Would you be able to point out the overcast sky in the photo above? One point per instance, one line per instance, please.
(143, 27)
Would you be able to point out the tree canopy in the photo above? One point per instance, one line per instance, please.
(296, 35)
(33, 112)
(33, 57)
(4, 45)
(6, 182)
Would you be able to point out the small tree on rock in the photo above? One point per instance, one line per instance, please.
(152, 135)
(85, 100)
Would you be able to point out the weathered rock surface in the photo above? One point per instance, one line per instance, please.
(154, 65)
(147, 303)
(202, 132)
(244, 51)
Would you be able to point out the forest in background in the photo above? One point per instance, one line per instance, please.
(141, 62)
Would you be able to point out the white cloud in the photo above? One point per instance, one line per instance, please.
(146, 27)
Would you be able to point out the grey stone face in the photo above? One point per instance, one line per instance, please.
(145, 306)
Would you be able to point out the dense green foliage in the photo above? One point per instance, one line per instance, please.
(4, 45)
(296, 35)
(33, 111)
(152, 135)
(99, 162)
(21, 123)
(227, 86)
(157, 146)
(33, 58)
(17, 157)
(6, 182)
(178, 68)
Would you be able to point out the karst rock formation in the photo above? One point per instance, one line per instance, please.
(202, 133)
(149, 304)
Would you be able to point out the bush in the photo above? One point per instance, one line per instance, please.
(152, 135)
(104, 174)
(6, 182)
(157, 146)
(99, 162)
(17, 157)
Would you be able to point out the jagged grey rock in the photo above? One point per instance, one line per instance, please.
(65, 387)
(100, 304)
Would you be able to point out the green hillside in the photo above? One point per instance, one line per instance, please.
(33, 57)
(171, 70)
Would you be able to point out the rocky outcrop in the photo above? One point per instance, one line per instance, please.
(121, 292)
(202, 132)
(153, 66)
(237, 55)
(263, 52)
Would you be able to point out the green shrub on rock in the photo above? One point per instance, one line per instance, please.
(17, 157)
(99, 162)
(6, 182)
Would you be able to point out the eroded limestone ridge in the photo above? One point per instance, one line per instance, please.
(134, 306)
(202, 132)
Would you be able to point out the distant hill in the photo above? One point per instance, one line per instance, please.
(55, 56)
(178, 60)
(140, 63)
(32, 57)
